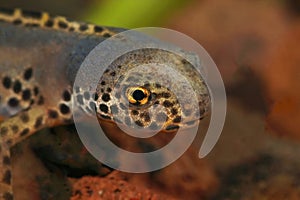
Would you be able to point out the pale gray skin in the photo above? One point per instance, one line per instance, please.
(147, 69)
(39, 58)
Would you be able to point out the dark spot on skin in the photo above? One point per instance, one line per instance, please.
(103, 108)
(80, 99)
(96, 96)
(114, 109)
(153, 126)
(66, 95)
(121, 78)
(122, 106)
(41, 100)
(147, 85)
(27, 74)
(166, 95)
(86, 95)
(6, 160)
(13, 102)
(108, 89)
(49, 23)
(26, 95)
(7, 177)
(177, 119)
(98, 29)
(134, 112)
(24, 117)
(187, 112)
(153, 96)
(17, 22)
(102, 83)
(8, 196)
(64, 109)
(161, 117)
(127, 121)
(167, 104)
(62, 25)
(52, 114)
(106, 71)
(184, 61)
(71, 29)
(131, 79)
(15, 128)
(118, 95)
(105, 97)
(202, 111)
(157, 85)
(36, 91)
(77, 89)
(6, 82)
(32, 14)
(113, 73)
(92, 106)
(17, 87)
(83, 27)
(159, 95)
(24, 132)
(7, 11)
(32, 25)
(174, 111)
(146, 116)
(139, 123)
(3, 131)
(105, 117)
(38, 122)
(106, 35)
(172, 127)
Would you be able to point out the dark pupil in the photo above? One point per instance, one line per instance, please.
(138, 95)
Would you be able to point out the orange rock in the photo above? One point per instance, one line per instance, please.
(187, 178)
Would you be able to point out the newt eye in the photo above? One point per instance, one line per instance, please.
(138, 95)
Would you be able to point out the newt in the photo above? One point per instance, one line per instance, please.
(39, 55)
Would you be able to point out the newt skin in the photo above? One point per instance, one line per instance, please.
(39, 58)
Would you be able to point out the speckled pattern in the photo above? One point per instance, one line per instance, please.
(39, 56)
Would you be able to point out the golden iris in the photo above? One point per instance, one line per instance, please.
(138, 95)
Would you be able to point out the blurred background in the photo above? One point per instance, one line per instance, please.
(256, 46)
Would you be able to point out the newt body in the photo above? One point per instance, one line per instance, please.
(39, 58)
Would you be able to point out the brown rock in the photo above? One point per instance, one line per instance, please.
(281, 76)
(112, 187)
